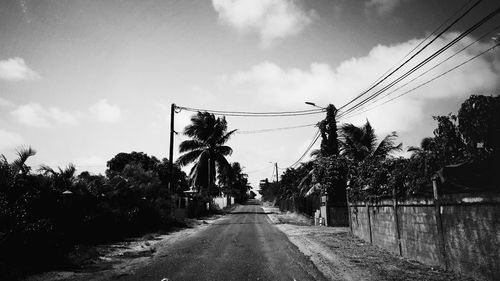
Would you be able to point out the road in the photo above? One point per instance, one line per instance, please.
(244, 245)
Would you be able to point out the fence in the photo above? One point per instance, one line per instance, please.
(458, 232)
(304, 205)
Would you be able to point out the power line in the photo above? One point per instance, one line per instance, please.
(413, 56)
(314, 140)
(254, 114)
(419, 44)
(425, 61)
(430, 80)
(273, 129)
(422, 74)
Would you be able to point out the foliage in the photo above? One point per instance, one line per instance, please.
(455, 141)
(206, 149)
(328, 128)
(479, 123)
(270, 191)
(359, 143)
(44, 215)
(234, 182)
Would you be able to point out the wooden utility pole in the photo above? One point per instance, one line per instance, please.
(276, 166)
(171, 152)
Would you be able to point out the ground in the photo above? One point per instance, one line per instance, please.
(251, 243)
(341, 256)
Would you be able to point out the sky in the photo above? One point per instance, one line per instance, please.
(83, 80)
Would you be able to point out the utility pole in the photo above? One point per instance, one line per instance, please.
(171, 152)
(276, 166)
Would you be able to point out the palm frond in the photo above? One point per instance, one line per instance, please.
(387, 145)
(224, 150)
(23, 154)
(188, 157)
(190, 145)
(226, 137)
(46, 170)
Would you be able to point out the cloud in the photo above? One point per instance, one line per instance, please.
(383, 7)
(15, 69)
(35, 115)
(269, 83)
(10, 140)
(5, 102)
(271, 19)
(104, 111)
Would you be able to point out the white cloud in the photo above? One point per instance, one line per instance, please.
(35, 115)
(106, 112)
(15, 69)
(269, 83)
(9, 140)
(383, 7)
(5, 102)
(271, 19)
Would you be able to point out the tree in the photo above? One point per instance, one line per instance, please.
(479, 124)
(449, 145)
(62, 180)
(234, 182)
(328, 128)
(205, 149)
(118, 163)
(359, 143)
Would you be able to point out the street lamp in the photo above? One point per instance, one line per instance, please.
(313, 104)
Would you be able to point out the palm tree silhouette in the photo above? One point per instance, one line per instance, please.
(360, 143)
(205, 149)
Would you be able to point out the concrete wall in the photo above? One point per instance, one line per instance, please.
(459, 232)
(223, 201)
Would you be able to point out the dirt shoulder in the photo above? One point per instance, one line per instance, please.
(341, 256)
(103, 262)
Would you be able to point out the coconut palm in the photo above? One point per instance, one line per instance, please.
(62, 180)
(9, 172)
(359, 143)
(205, 149)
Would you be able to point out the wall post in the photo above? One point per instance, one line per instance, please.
(439, 223)
(396, 221)
(369, 222)
(348, 188)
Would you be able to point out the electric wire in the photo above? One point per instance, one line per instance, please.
(421, 74)
(430, 80)
(421, 42)
(425, 61)
(314, 140)
(413, 56)
(255, 114)
(273, 129)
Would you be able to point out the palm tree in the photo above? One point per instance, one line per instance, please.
(11, 171)
(360, 143)
(62, 180)
(205, 149)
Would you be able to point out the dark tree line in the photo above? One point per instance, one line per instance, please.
(358, 157)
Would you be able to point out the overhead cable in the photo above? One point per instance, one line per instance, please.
(272, 129)
(255, 114)
(412, 56)
(427, 71)
(430, 80)
(425, 61)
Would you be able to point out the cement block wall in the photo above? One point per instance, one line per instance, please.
(472, 239)
(467, 241)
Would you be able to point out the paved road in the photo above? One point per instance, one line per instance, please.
(242, 246)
